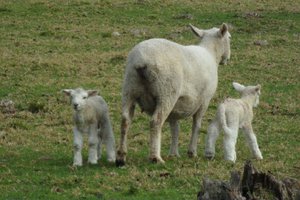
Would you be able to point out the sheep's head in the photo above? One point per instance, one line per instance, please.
(79, 96)
(248, 90)
(218, 39)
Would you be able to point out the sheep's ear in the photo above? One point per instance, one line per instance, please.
(238, 87)
(67, 92)
(92, 93)
(223, 30)
(257, 88)
(197, 31)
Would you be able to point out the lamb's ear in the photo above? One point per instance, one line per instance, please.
(67, 92)
(223, 30)
(92, 93)
(197, 31)
(238, 87)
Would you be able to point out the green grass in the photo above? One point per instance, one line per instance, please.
(46, 46)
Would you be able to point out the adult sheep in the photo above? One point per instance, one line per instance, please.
(170, 81)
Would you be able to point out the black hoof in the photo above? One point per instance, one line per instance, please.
(209, 157)
(120, 163)
(191, 154)
(154, 160)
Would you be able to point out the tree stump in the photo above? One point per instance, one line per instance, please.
(245, 188)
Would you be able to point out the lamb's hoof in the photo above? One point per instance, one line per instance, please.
(156, 160)
(173, 155)
(111, 160)
(191, 154)
(258, 157)
(77, 164)
(120, 163)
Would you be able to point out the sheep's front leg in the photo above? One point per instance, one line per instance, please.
(197, 118)
(211, 137)
(174, 125)
(252, 141)
(78, 142)
(93, 141)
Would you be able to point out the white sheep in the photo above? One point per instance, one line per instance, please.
(91, 116)
(233, 114)
(170, 81)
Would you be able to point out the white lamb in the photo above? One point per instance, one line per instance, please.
(170, 81)
(91, 116)
(233, 114)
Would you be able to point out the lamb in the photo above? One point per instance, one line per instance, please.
(91, 116)
(233, 114)
(170, 81)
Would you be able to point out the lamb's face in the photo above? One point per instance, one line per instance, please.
(78, 99)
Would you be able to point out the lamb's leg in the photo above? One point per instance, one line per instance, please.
(174, 125)
(108, 135)
(78, 141)
(252, 141)
(230, 138)
(127, 114)
(197, 118)
(211, 137)
(93, 141)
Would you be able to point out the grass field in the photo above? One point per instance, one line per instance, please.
(46, 46)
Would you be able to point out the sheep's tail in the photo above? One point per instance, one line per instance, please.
(222, 117)
(145, 73)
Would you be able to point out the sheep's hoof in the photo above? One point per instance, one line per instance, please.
(191, 154)
(120, 163)
(209, 156)
(156, 160)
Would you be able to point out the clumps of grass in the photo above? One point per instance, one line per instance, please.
(106, 35)
(36, 107)
(118, 59)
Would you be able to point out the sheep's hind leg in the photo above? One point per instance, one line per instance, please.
(174, 125)
(127, 114)
(211, 137)
(162, 111)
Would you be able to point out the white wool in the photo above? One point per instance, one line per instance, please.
(170, 81)
(232, 115)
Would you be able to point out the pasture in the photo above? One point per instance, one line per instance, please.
(47, 46)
